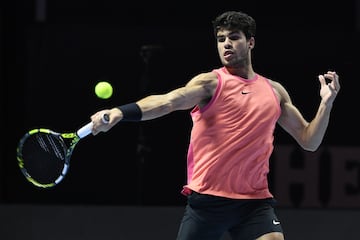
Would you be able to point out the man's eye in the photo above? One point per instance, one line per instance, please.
(221, 39)
(234, 37)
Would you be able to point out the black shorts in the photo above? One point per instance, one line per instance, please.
(209, 217)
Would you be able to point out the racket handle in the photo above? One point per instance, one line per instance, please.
(86, 130)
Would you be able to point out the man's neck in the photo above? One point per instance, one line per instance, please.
(244, 72)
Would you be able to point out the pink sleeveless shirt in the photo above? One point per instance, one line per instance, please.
(232, 139)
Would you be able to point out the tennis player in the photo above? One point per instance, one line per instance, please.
(234, 110)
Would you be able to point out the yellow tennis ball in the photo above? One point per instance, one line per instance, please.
(103, 90)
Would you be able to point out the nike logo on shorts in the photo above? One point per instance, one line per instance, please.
(275, 222)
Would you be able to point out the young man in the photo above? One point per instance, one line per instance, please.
(234, 112)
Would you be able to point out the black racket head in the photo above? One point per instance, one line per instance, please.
(43, 157)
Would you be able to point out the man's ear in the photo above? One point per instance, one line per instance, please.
(251, 42)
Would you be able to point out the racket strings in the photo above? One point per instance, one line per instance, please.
(43, 158)
(54, 146)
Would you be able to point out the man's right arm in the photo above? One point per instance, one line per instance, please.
(196, 90)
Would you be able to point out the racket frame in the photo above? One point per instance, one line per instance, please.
(75, 138)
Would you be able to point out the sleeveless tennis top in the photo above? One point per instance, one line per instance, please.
(232, 139)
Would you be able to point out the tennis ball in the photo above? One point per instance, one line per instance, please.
(103, 90)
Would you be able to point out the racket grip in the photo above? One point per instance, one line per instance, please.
(86, 130)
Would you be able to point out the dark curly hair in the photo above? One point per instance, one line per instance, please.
(235, 20)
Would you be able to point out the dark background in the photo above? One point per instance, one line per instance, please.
(54, 52)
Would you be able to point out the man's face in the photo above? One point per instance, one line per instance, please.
(233, 48)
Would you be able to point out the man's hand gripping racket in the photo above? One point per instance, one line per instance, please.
(44, 155)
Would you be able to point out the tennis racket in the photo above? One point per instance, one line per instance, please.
(44, 155)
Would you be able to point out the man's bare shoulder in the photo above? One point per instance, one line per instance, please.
(205, 77)
(206, 81)
(280, 90)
